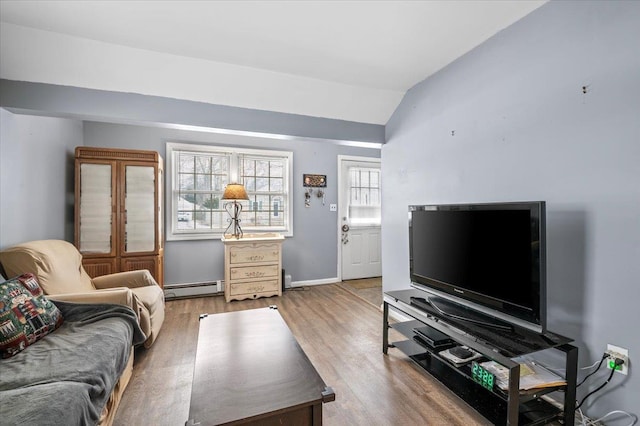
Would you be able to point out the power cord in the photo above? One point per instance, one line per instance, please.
(561, 371)
(604, 356)
(585, 421)
(633, 417)
(617, 363)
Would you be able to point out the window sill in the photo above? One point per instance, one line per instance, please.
(218, 236)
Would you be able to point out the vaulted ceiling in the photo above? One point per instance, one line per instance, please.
(350, 60)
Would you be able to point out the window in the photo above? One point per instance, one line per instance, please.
(264, 180)
(200, 174)
(364, 196)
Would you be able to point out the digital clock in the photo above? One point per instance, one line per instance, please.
(482, 376)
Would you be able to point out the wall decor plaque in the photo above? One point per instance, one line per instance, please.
(314, 181)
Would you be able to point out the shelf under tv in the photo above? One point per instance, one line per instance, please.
(512, 406)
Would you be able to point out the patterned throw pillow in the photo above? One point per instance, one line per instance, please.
(26, 315)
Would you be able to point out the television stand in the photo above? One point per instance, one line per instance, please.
(511, 406)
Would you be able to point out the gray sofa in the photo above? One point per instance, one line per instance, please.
(74, 375)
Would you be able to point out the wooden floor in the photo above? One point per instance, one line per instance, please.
(340, 333)
(369, 289)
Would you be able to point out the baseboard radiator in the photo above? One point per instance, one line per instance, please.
(177, 291)
(212, 288)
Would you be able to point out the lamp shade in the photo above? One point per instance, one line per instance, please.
(235, 191)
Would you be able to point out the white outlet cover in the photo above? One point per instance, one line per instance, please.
(333, 207)
(624, 352)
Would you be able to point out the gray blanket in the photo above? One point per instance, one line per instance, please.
(66, 378)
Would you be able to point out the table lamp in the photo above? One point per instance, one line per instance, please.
(234, 192)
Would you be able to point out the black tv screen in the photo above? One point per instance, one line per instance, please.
(490, 257)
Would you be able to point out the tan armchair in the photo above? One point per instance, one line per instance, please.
(58, 266)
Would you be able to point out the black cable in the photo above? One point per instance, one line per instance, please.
(618, 362)
(604, 356)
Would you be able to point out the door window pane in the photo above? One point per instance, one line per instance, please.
(364, 196)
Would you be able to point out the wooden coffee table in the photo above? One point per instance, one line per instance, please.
(249, 369)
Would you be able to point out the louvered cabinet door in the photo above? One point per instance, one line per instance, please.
(138, 209)
(95, 207)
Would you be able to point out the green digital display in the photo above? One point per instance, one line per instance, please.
(482, 376)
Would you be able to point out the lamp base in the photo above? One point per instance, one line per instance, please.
(234, 209)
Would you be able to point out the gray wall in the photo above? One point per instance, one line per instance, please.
(510, 121)
(311, 254)
(36, 199)
(36, 177)
(150, 121)
(116, 107)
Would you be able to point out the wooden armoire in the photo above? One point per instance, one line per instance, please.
(118, 210)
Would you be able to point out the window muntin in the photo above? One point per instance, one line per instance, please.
(200, 174)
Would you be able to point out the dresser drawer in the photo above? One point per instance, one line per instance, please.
(245, 272)
(257, 287)
(254, 253)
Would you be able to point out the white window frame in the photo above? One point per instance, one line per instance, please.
(235, 154)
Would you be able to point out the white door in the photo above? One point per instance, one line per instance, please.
(359, 217)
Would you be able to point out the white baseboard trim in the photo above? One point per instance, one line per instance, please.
(315, 282)
(217, 287)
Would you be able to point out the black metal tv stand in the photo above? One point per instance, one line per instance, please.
(510, 407)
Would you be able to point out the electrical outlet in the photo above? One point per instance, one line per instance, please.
(618, 352)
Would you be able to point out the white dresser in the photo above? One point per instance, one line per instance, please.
(252, 266)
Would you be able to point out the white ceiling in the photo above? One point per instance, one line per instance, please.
(382, 47)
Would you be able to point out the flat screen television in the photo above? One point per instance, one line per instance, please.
(489, 258)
